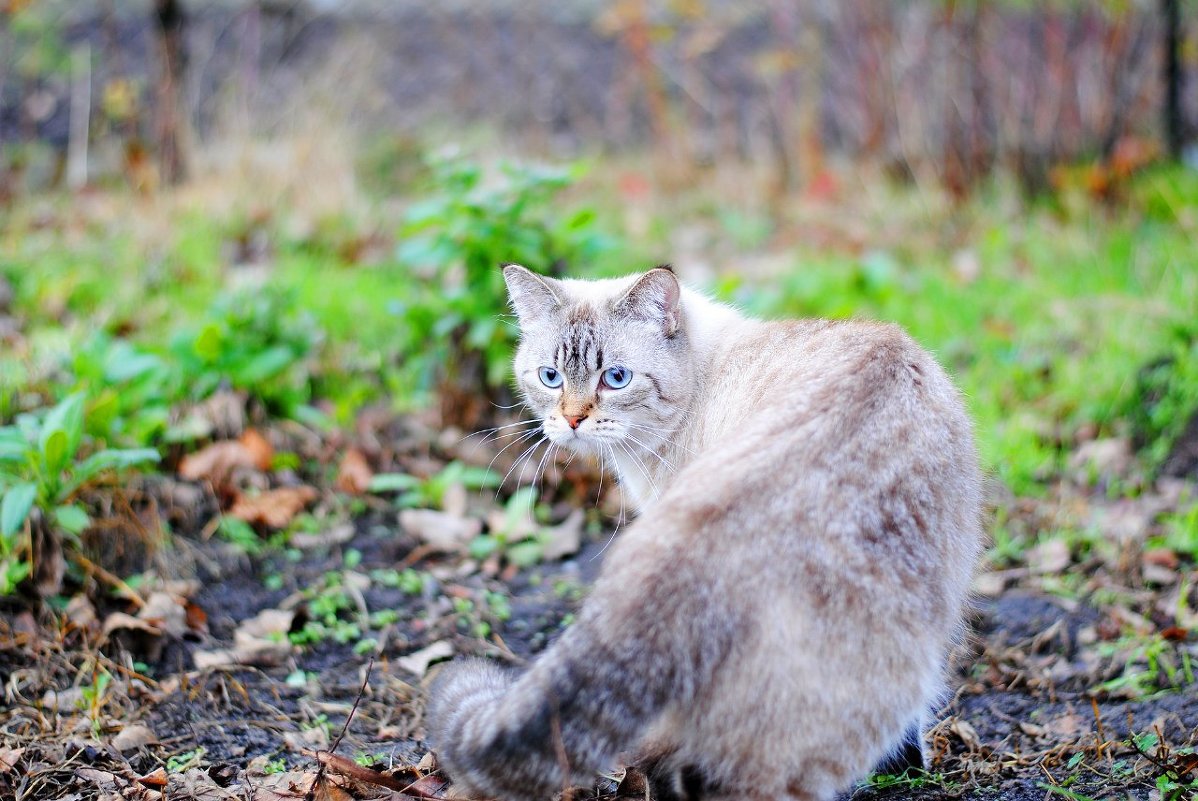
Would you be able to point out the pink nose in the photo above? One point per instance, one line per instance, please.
(574, 420)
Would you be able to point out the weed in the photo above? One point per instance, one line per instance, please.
(186, 760)
(1055, 789)
(469, 222)
(1153, 665)
(429, 493)
(1166, 395)
(257, 342)
(519, 541)
(1180, 533)
(94, 696)
(40, 470)
(274, 766)
(411, 582)
(910, 779)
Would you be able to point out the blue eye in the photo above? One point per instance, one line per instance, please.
(617, 377)
(550, 377)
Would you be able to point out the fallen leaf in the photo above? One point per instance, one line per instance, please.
(118, 621)
(216, 462)
(347, 767)
(565, 538)
(337, 535)
(1161, 557)
(197, 618)
(418, 662)
(9, 757)
(1051, 556)
(1104, 459)
(287, 786)
(133, 737)
(1032, 730)
(273, 508)
(966, 732)
(315, 738)
(260, 450)
(81, 613)
(990, 584)
(155, 778)
(1175, 634)
(66, 700)
(440, 531)
(166, 612)
(354, 474)
(260, 640)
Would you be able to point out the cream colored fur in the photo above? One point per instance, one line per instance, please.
(781, 612)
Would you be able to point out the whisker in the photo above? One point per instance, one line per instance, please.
(523, 436)
(515, 405)
(640, 466)
(620, 520)
(515, 464)
(647, 449)
(656, 432)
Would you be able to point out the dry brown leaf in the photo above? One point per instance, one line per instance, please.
(1049, 557)
(440, 531)
(133, 737)
(274, 508)
(155, 778)
(197, 618)
(287, 786)
(118, 621)
(565, 538)
(990, 584)
(354, 474)
(216, 462)
(968, 734)
(337, 535)
(260, 451)
(9, 757)
(261, 640)
(166, 612)
(419, 661)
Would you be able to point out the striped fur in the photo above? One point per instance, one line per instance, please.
(777, 620)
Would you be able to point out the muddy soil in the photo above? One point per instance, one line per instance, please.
(1009, 732)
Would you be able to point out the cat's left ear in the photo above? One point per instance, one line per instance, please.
(655, 297)
(532, 296)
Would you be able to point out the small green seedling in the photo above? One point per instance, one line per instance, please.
(40, 472)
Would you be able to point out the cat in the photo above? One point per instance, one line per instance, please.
(778, 619)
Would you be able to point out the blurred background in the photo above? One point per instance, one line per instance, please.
(1015, 182)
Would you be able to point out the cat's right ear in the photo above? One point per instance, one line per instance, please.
(533, 296)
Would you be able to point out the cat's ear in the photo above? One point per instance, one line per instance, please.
(655, 297)
(532, 295)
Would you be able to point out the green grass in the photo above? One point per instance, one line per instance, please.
(1068, 303)
(1048, 336)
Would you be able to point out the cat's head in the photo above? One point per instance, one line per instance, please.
(602, 362)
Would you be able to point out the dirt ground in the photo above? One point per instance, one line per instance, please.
(206, 698)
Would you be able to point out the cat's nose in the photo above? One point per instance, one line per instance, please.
(574, 420)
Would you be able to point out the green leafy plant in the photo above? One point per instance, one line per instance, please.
(1153, 665)
(258, 342)
(429, 493)
(470, 222)
(40, 472)
(131, 390)
(518, 542)
(188, 759)
(1166, 396)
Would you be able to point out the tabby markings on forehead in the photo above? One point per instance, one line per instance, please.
(579, 352)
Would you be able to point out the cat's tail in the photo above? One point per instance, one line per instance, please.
(594, 693)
